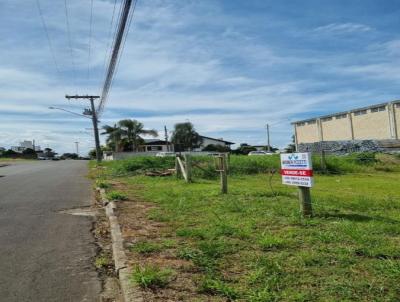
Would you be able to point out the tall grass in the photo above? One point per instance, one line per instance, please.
(204, 166)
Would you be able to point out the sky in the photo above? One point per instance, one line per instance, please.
(228, 66)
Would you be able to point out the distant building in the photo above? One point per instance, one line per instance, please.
(379, 125)
(213, 141)
(25, 145)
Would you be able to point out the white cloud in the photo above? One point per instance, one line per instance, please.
(343, 28)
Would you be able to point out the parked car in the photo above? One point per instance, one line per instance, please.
(165, 154)
(254, 153)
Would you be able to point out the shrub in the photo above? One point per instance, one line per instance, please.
(117, 195)
(151, 277)
(102, 184)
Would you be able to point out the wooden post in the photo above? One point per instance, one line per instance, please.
(305, 201)
(224, 174)
(177, 168)
(188, 167)
(323, 160)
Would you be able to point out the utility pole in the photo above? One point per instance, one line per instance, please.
(91, 98)
(166, 137)
(77, 148)
(268, 145)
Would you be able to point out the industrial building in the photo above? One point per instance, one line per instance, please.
(372, 127)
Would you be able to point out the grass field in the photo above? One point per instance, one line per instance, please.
(252, 244)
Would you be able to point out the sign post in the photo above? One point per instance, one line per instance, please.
(296, 170)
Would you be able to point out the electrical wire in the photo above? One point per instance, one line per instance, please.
(70, 41)
(124, 40)
(109, 49)
(119, 39)
(90, 39)
(52, 51)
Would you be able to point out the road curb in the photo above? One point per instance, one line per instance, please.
(130, 292)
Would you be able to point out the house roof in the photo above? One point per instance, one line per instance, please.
(217, 139)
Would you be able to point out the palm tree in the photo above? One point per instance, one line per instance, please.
(114, 139)
(132, 130)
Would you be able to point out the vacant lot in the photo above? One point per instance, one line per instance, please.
(187, 242)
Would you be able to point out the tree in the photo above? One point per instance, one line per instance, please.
(185, 137)
(291, 147)
(10, 153)
(29, 153)
(114, 137)
(244, 149)
(132, 130)
(48, 152)
(216, 148)
(69, 156)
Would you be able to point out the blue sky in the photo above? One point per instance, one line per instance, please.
(227, 66)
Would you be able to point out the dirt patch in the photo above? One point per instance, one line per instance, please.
(136, 226)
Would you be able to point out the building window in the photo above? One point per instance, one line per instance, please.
(311, 122)
(325, 119)
(377, 109)
(340, 116)
(360, 112)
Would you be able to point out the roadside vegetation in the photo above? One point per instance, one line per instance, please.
(252, 244)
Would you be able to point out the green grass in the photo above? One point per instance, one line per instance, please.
(145, 247)
(116, 195)
(151, 277)
(101, 262)
(253, 245)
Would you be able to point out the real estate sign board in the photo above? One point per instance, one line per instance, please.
(296, 169)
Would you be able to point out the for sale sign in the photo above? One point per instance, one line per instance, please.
(296, 169)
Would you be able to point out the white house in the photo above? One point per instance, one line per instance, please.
(156, 145)
(213, 141)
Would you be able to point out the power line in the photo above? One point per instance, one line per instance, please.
(109, 34)
(124, 20)
(123, 44)
(90, 38)
(48, 38)
(70, 41)
(111, 41)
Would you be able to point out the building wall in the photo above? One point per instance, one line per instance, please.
(372, 125)
(397, 118)
(337, 128)
(307, 133)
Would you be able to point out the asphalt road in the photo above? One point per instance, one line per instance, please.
(46, 255)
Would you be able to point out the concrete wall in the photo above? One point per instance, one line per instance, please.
(373, 125)
(396, 109)
(378, 122)
(307, 133)
(338, 128)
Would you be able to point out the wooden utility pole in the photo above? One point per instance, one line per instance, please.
(77, 148)
(268, 145)
(93, 114)
(166, 137)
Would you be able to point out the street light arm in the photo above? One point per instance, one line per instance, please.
(70, 112)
